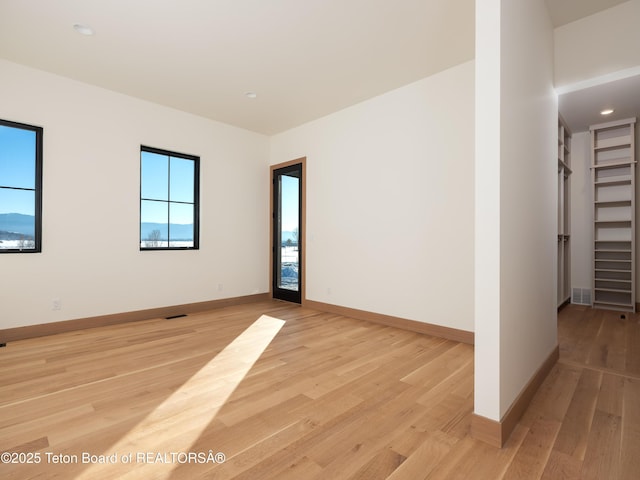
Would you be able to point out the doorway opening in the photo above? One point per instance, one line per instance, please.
(288, 230)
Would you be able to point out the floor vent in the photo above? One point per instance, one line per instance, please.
(581, 296)
(175, 316)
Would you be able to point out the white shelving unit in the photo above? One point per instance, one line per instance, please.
(613, 176)
(564, 235)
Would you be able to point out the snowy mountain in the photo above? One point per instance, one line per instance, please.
(14, 226)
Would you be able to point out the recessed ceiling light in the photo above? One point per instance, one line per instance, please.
(606, 111)
(251, 94)
(83, 29)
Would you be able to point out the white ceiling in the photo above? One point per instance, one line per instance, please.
(303, 58)
(567, 11)
(581, 108)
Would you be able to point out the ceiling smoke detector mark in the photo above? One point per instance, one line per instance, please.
(83, 29)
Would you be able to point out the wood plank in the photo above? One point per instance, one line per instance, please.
(577, 330)
(554, 396)
(632, 363)
(603, 448)
(562, 466)
(380, 466)
(609, 346)
(629, 455)
(574, 432)
(471, 458)
(423, 460)
(327, 397)
(611, 394)
(301, 468)
(532, 456)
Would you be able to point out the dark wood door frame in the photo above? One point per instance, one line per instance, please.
(302, 229)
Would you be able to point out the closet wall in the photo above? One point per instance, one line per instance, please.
(581, 217)
(581, 214)
(564, 213)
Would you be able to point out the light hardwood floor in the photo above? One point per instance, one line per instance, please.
(290, 393)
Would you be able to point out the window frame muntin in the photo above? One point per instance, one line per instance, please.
(196, 198)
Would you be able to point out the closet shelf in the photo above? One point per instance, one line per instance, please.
(613, 173)
(613, 221)
(614, 144)
(619, 181)
(622, 240)
(626, 201)
(615, 304)
(612, 164)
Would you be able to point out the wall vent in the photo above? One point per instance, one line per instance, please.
(581, 296)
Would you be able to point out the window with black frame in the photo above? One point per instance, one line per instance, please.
(20, 188)
(169, 197)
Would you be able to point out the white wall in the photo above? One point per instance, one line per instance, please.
(487, 210)
(528, 192)
(598, 45)
(390, 201)
(90, 259)
(516, 326)
(581, 207)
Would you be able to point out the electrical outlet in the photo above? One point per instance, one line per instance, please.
(56, 304)
(220, 287)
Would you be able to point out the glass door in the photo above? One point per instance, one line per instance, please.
(287, 244)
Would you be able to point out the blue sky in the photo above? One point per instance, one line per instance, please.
(289, 192)
(155, 178)
(17, 147)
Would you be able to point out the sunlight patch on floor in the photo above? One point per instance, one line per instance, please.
(177, 423)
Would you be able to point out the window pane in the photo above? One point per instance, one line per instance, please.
(17, 157)
(154, 224)
(289, 263)
(18, 201)
(181, 218)
(154, 176)
(168, 196)
(17, 219)
(181, 180)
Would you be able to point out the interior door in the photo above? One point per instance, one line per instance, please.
(287, 233)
